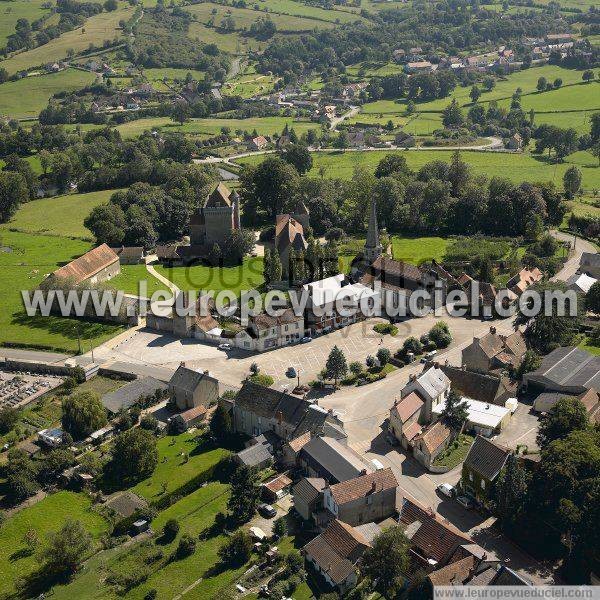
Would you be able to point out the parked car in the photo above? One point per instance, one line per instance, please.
(377, 464)
(267, 511)
(446, 489)
(291, 373)
(224, 347)
(306, 338)
(464, 501)
(427, 357)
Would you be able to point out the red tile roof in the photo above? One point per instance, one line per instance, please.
(363, 486)
(88, 264)
(408, 406)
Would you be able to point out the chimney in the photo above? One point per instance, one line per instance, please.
(446, 362)
(436, 365)
(182, 363)
(363, 472)
(412, 377)
(493, 330)
(330, 411)
(279, 417)
(373, 487)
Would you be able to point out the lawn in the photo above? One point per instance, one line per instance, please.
(44, 517)
(26, 97)
(244, 17)
(25, 259)
(247, 276)
(11, 12)
(299, 9)
(263, 125)
(180, 459)
(129, 279)
(233, 42)
(249, 85)
(585, 96)
(455, 453)
(580, 120)
(420, 249)
(516, 167)
(59, 215)
(97, 29)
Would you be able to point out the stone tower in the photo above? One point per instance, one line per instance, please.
(373, 249)
(215, 221)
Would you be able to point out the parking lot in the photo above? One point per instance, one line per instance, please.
(357, 341)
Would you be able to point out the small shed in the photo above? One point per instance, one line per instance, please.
(276, 488)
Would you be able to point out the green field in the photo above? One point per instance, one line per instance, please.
(585, 96)
(198, 277)
(25, 260)
(11, 12)
(46, 516)
(579, 120)
(232, 42)
(173, 469)
(244, 17)
(418, 250)
(299, 9)
(526, 80)
(59, 215)
(516, 167)
(264, 125)
(249, 85)
(130, 277)
(96, 30)
(26, 97)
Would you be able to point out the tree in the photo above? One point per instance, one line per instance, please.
(267, 188)
(9, 417)
(592, 298)
(356, 367)
(456, 411)
(595, 127)
(547, 329)
(239, 244)
(180, 112)
(541, 84)
(588, 75)
(383, 356)
(388, 561)
(83, 413)
(237, 550)
(336, 365)
(245, 493)
(54, 463)
(110, 5)
(572, 182)
(186, 546)
(510, 493)
(276, 270)
(475, 94)
(298, 156)
(66, 549)
(220, 423)
(557, 83)
(531, 361)
(13, 192)
(134, 455)
(595, 151)
(440, 335)
(280, 527)
(452, 115)
(567, 415)
(392, 165)
(107, 223)
(489, 83)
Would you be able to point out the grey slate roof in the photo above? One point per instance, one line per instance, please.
(254, 455)
(125, 397)
(570, 367)
(486, 458)
(309, 489)
(337, 460)
(296, 412)
(187, 379)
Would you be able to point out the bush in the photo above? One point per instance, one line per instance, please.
(440, 334)
(170, 530)
(383, 356)
(412, 344)
(370, 360)
(237, 549)
(262, 379)
(356, 367)
(149, 422)
(385, 328)
(186, 546)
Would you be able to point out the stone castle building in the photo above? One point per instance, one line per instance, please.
(217, 219)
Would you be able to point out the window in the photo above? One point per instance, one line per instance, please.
(286, 327)
(482, 484)
(470, 476)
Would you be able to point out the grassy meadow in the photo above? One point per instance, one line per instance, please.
(516, 167)
(25, 259)
(11, 12)
(59, 215)
(97, 29)
(25, 98)
(46, 516)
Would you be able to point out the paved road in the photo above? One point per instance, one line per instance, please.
(494, 145)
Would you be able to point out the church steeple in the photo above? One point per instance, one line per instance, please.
(373, 248)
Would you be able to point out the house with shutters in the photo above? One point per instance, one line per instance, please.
(363, 499)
